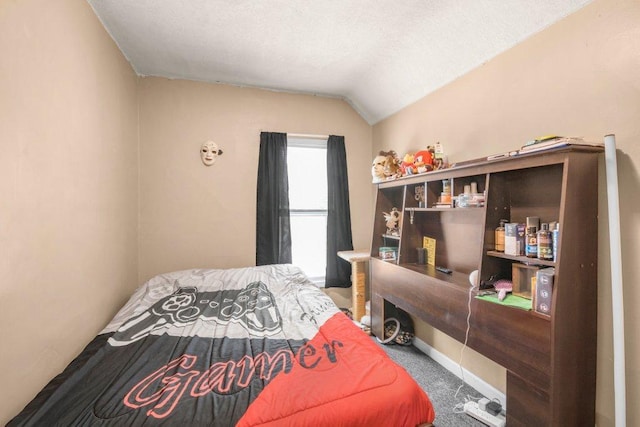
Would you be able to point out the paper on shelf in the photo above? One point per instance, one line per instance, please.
(510, 300)
(430, 244)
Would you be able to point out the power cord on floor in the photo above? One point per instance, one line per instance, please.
(459, 407)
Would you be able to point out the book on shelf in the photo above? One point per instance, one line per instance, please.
(542, 143)
(549, 142)
(542, 140)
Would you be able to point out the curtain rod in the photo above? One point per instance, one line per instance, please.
(307, 135)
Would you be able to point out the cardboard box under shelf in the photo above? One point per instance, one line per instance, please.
(522, 277)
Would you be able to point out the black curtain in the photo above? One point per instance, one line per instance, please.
(339, 214)
(273, 230)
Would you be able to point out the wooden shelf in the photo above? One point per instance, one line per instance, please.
(456, 278)
(550, 360)
(391, 236)
(444, 209)
(522, 259)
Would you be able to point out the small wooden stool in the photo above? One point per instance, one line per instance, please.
(358, 260)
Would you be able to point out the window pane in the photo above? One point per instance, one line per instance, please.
(307, 177)
(307, 166)
(309, 244)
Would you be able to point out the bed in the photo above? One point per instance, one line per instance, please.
(257, 346)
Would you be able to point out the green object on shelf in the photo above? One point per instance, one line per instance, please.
(510, 300)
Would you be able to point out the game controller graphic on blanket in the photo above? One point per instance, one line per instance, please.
(252, 307)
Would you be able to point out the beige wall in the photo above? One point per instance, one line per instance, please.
(68, 189)
(580, 77)
(197, 216)
(85, 218)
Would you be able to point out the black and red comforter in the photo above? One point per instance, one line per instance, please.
(249, 347)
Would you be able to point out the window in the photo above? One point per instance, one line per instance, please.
(307, 170)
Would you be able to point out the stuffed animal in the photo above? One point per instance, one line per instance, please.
(392, 219)
(386, 165)
(392, 164)
(407, 167)
(423, 161)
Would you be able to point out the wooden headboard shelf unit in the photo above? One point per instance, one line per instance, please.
(550, 361)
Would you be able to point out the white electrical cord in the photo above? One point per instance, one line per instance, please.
(473, 280)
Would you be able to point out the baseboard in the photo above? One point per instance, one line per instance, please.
(471, 379)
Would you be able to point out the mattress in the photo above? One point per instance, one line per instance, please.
(256, 346)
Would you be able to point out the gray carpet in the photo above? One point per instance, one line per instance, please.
(440, 385)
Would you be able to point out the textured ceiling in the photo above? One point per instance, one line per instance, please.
(379, 55)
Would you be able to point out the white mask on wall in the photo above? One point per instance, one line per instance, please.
(209, 152)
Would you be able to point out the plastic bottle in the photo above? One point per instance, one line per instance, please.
(545, 243)
(499, 245)
(531, 248)
(446, 186)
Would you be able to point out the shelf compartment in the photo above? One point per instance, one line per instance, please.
(412, 211)
(458, 278)
(459, 183)
(387, 199)
(415, 192)
(522, 259)
(457, 234)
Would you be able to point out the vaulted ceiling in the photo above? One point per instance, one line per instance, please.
(378, 55)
